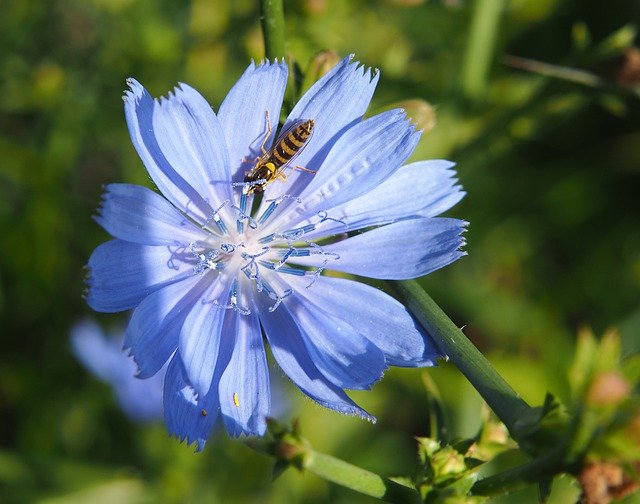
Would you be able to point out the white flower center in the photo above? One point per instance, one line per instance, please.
(240, 245)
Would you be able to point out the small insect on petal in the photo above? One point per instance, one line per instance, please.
(236, 400)
(272, 163)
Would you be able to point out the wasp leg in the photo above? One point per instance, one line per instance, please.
(283, 177)
(302, 168)
(266, 137)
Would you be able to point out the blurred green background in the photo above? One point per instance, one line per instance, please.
(551, 166)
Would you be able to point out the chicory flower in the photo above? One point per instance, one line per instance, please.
(226, 255)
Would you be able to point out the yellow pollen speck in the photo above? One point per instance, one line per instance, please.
(236, 401)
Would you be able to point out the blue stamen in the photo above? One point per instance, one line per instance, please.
(294, 234)
(294, 252)
(267, 213)
(283, 269)
(267, 239)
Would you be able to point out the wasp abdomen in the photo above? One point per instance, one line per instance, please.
(271, 165)
(291, 143)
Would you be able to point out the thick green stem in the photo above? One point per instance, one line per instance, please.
(502, 399)
(358, 479)
(272, 20)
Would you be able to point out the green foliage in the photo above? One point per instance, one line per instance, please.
(549, 161)
(446, 474)
(606, 392)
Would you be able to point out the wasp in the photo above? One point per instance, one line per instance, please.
(272, 163)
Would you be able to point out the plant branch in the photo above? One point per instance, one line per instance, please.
(498, 394)
(272, 21)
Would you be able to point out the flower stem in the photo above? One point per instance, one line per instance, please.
(546, 466)
(272, 20)
(358, 479)
(498, 394)
(481, 46)
(291, 450)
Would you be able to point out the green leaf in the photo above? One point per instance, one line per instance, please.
(437, 416)
(544, 489)
(617, 42)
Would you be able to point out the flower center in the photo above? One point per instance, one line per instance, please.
(241, 245)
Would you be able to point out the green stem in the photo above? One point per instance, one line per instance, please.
(483, 34)
(538, 469)
(272, 20)
(358, 479)
(555, 71)
(289, 449)
(502, 399)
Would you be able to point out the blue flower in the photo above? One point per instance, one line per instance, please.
(216, 262)
(102, 355)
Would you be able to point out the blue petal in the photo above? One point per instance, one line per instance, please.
(141, 112)
(404, 249)
(245, 396)
(375, 315)
(201, 335)
(124, 273)
(421, 189)
(141, 400)
(361, 159)
(344, 356)
(242, 114)
(336, 102)
(288, 348)
(95, 352)
(188, 416)
(191, 138)
(137, 214)
(152, 333)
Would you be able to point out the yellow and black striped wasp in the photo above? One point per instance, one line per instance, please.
(272, 163)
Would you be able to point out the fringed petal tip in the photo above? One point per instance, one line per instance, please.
(464, 227)
(355, 411)
(349, 410)
(197, 443)
(366, 416)
(135, 91)
(185, 95)
(399, 115)
(128, 351)
(370, 384)
(140, 374)
(348, 63)
(266, 63)
(98, 217)
(446, 164)
(239, 433)
(371, 73)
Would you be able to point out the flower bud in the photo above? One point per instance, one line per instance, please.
(608, 389)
